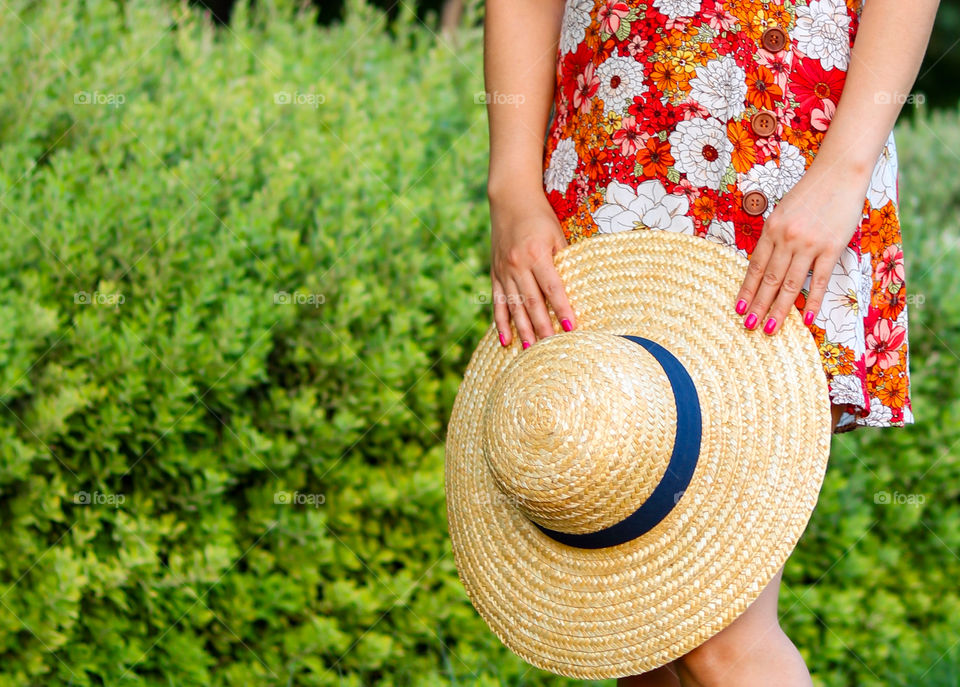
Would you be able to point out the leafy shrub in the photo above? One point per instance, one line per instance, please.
(242, 273)
(213, 298)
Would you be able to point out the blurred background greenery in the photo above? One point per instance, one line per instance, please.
(937, 79)
(243, 269)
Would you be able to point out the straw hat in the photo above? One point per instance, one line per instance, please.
(619, 493)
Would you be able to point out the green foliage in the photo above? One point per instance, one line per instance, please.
(231, 331)
(212, 298)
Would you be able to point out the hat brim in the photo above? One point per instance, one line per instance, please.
(630, 608)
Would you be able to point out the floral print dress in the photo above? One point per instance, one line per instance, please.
(697, 116)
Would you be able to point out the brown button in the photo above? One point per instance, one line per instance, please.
(754, 202)
(763, 123)
(773, 39)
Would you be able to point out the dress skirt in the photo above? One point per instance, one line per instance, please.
(697, 116)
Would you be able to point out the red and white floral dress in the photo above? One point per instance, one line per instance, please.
(698, 116)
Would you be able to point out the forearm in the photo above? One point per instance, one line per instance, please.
(520, 48)
(891, 41)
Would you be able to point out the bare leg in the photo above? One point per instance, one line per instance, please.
(752, 650)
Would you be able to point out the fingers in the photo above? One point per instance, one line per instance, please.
(535, 307)
(770, 276)
(501, 313)
(510, 303)
(515, 305)
(786, 299)
(552, 287)
(751, 282)
(773, 281)
(822, 270)
(522, 299)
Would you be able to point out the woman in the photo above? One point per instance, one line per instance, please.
(722, 119)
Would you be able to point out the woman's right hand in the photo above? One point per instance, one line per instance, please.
(525, 235)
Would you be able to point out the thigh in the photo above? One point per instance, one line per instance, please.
(741, 635)
(761, 615)
(747, 634)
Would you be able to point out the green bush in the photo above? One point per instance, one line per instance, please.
(215, 300)
(146, 159)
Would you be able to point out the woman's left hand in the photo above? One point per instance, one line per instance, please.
(807, 230)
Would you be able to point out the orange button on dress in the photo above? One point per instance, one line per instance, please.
(698, 116)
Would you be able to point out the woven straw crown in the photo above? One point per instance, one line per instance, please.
(580, 432)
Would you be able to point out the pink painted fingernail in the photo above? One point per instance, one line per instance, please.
(808, 317)
(502, 340)
(751, 321)
(770, 326)
(526, 345)
(741, 306)
(565, 323)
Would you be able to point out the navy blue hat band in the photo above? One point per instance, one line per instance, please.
(683, 461)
